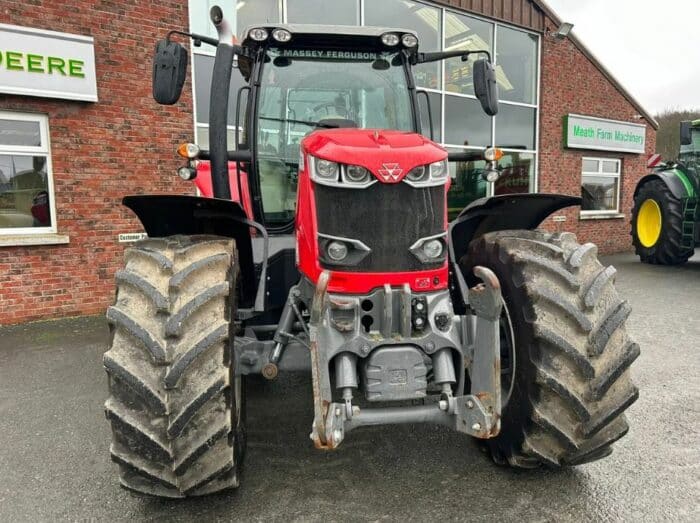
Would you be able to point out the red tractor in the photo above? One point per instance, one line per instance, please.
(321, 241)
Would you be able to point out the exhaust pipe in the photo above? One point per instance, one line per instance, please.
(218, 105)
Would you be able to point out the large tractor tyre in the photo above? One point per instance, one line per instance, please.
(657, 225)
(175, 405)
(565, 354)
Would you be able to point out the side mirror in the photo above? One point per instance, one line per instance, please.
(686, 139)
(169, 71)
(485, 87)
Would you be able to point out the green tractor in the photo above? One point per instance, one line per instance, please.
(666, 212)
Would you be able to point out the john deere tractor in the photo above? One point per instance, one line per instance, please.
(321, 241)
(666, 214)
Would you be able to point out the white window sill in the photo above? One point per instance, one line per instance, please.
(601, 216)
(16, 240)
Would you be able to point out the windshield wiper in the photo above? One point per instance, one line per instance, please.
(303, 122)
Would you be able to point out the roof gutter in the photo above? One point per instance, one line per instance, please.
(542, 4)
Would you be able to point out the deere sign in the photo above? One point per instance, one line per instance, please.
(588, 132)
(34, 62)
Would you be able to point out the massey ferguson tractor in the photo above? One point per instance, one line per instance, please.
(321, 241)
(666, 213)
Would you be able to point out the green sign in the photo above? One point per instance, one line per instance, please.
(589, 132)
(38, 62)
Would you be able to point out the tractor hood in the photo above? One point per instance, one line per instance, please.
(379, 151)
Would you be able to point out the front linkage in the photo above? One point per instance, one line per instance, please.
(477, 414)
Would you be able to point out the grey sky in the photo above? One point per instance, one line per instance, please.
(653, 48)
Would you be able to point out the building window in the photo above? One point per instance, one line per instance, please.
(26, 186)
(600, 186)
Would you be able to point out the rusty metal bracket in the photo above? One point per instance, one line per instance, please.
(319, 362)
(485, 399)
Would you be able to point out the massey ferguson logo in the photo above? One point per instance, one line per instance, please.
(390, 172)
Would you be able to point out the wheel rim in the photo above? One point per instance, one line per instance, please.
(508, 358)
(649, 223)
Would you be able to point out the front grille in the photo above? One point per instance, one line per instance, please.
(388, 218)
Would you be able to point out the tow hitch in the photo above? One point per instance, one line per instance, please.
(477, 413)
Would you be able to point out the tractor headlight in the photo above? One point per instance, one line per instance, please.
(432, 249)
(356, 174)
(259, 34)
(324, 171)
(409, 40)
(439, 170)
(390, 39)
(187, 173)
(418, 174)
(281, 35)
(337, 251)
(428, 175)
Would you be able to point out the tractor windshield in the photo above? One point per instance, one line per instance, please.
(305, 90)
(690, 154)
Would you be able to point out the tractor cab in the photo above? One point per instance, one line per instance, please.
(306, 78)
(690, 145)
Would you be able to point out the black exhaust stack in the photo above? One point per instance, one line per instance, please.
(218, 105)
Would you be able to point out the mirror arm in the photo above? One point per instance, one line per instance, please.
(421, 58)
(242, 155)
(465, 156)
(198, 39)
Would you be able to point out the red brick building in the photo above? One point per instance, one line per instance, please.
(69, 151)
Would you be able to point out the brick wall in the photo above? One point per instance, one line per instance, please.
(571, 83)
(100, 152)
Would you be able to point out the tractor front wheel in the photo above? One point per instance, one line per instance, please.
(565, 352)
(657, 226)
(175, 404)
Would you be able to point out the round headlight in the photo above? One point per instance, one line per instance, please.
(281, 35)
(409, 40)
(492, 175)
(327, 169)
(187, 173)
(390, 39)
(258, 34)
(438, 169)
(492, 154)
(337, 251)
(417, 174)
(356, 174)
(432, 248)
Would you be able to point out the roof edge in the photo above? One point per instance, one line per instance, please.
(542, 4)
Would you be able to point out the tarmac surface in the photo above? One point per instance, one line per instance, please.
(54, 459)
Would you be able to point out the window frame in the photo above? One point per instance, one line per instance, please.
(42, 150)
(601, 174)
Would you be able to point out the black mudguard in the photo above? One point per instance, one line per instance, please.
(497, 213)
(168, 215)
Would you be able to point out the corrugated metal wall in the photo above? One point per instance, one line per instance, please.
(519, 12)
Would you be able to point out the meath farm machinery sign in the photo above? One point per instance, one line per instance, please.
(35, 62)
(588, 132)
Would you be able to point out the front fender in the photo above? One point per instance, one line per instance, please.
(166, 215)
(676, 180)
(497, 213)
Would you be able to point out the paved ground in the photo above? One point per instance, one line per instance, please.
(54, 462)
